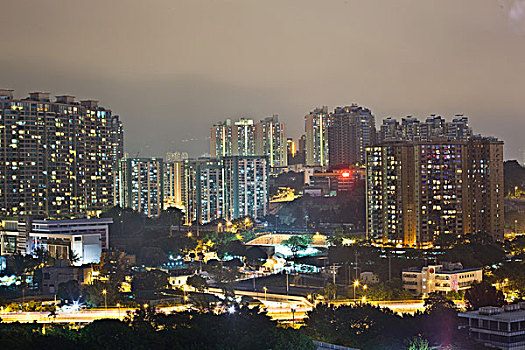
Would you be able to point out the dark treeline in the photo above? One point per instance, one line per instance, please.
(243, 329)
(362, 327)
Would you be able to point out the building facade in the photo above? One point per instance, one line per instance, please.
(173, 179)
(246, 186)
(317, 123)
(352, 129)
(204, 192)
(419, 191)
(226, 187)
(441, 279)
(270, 141)
(84, 239)
(57, 158)
(140, 185)
(411, 129)
(496, 327)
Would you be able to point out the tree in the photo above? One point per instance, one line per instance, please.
(483, 294)
(437, 302)
(329, 292)
(297, 243)
(149, 280)
(197, 282)
(69, 290)
(223, 278)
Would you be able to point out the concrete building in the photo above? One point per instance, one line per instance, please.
(352, 129)
(173, 183)
(485, 186)
(441, 278)
(270, 141)
(335, 182)
(497, 327)
(204, 192)
(57, 157)
(418, 191)
(62, 272)
(229, 138)
(83, 238)
(226, 187)
(246, 186)
(316, 143)
(141, 185)
(411, 129)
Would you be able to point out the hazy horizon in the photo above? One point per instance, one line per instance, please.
(171, 69)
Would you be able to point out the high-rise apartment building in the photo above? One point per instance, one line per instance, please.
(270, 141)
(419, 191)
(226, 187)
(204, 192)
(316, 131)
(173, 179)
(411, 129)
(246, 186)
(233, 139)
(221, 139)
(351, 130)
(57, 157)
(141, 185)
(485, 186)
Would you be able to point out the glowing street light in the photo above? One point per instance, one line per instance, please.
(356, 284)
(265, 289)
(105, 292)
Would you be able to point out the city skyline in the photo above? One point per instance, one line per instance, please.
(463, 59)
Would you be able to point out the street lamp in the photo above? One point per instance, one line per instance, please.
(105, 292)
(356, 284)
(265, 289)
(364, 291)
(118, 305)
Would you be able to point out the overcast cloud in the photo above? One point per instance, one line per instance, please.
(171, 68)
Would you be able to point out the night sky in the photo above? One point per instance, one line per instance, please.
(172, 68)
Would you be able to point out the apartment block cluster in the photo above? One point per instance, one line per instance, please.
(425, 180)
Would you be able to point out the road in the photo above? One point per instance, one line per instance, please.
(278, 310)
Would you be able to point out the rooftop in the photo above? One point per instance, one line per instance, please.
(518, 315)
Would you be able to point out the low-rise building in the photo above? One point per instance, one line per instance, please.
(367, 277)
(498, 327)
(442, 278)
(81, 239)
(62, 272)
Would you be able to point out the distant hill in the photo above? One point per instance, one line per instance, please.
(514, 175)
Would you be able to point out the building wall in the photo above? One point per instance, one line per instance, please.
(246, 186)
(316, 131)
(141, 185)
(270, 141)
(173, 177)
(56, 158)
(417, 192)
(432, 279)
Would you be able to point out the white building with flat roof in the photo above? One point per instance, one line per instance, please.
(497, 327)
(442, 279)
(84, 239)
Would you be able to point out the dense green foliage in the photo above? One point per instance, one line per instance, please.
(370, 327)
(145, 329)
